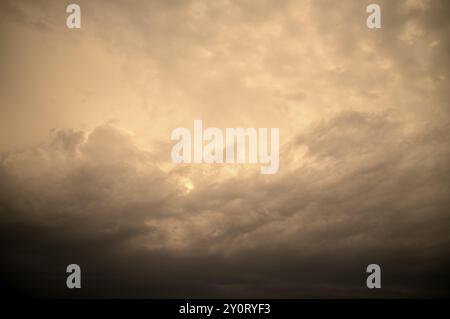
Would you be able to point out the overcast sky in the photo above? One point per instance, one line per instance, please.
(85, 169)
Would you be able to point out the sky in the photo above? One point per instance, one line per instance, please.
(86, 175)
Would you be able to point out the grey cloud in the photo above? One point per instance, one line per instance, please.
(364, 169)
(245, 236)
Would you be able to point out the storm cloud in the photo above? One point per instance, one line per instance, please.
(85, 170)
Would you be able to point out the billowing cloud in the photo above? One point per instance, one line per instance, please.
(364, 157)
(344, 202)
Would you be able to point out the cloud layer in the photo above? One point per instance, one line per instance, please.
(364, 162)
(99, 200)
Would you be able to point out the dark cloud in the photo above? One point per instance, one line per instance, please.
(364, 168)
(308, 233)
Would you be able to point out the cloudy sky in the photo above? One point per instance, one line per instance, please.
(85, 169)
